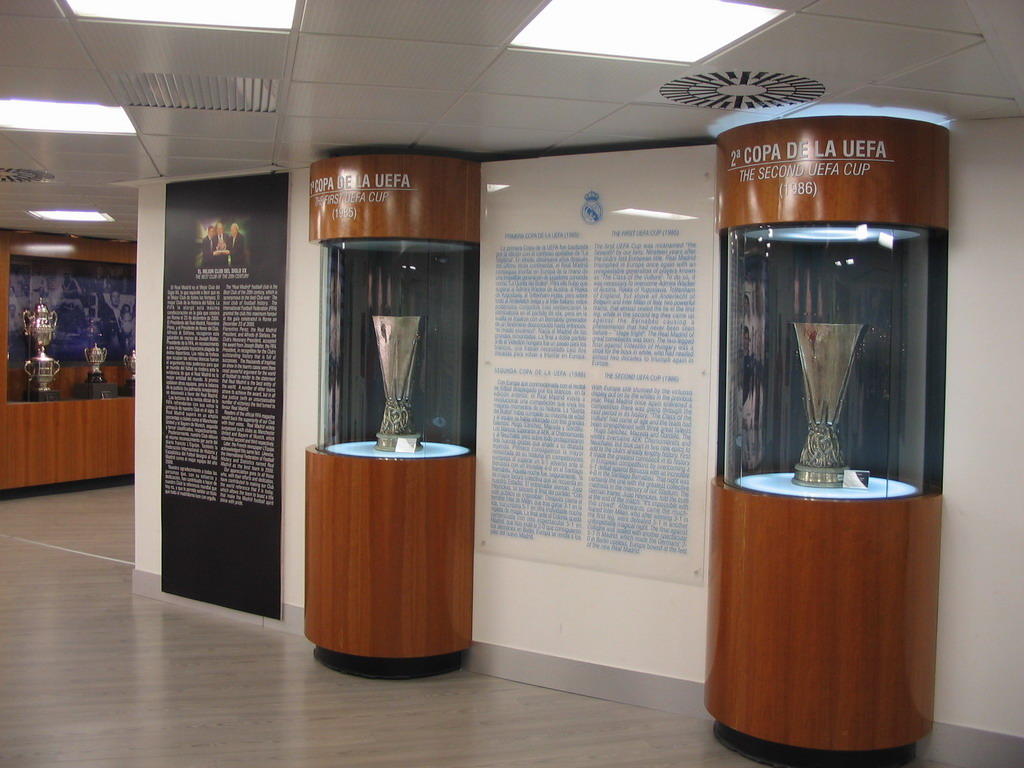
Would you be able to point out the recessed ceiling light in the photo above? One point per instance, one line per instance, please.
(654, 214)
(62, 117)
(244, 14)
(659, 30)
(71, 215)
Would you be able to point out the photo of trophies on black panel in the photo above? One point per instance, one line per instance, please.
(69, 313)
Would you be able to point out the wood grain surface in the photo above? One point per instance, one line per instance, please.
(442, 201)
(822, 618)
(907, 181)
(389, 554)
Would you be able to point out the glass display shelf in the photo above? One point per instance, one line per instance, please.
(835, 352)
(367, 449)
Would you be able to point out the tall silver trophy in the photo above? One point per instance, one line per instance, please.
(40, 326)
(826, 359)
(397, 338)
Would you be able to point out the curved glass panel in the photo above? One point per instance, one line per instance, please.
(834, 353)
(399, 341)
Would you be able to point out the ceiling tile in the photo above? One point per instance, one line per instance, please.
(856, 50)
(952, 105)
(70, 85)
(38, 42)
(952, 15)
(227, 148)
(368, 103)
(302, 154)
(198, 123)
(560, 76)
(655, 122)
(180, 50)
(323, 130)
(44, 144)
(33, 8)
(495, 110)
(485, 139)
(193, 166)
(972, 71)
(400, 63)
(467, 22)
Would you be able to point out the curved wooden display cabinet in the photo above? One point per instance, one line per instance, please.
(822, 619)
(389, 539)
(389, 562)
(823, 599)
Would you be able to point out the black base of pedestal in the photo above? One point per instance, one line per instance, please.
(96, 390)
(128, 390)
(45, 396)
(388, 669)
(786, 756)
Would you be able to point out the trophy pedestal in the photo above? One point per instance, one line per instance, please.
(94, 390)
(43, 395)
(389, 562)
(128, 390)
(819, 477)
(822, 624)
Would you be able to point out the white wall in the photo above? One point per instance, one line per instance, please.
(659, 627)
(980, 680)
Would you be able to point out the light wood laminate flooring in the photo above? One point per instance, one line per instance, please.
(94, 676)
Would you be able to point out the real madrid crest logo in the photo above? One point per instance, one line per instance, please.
(591, 212)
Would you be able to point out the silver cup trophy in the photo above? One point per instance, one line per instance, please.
(129, 383)
(95, 356)
(397, 338)
(40, 325)
(826, 359)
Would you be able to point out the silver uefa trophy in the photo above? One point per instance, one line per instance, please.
(826, 359)
(397, 338)
(95, 356)
(40, 325)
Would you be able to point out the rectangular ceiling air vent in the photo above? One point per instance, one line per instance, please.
(219, 93)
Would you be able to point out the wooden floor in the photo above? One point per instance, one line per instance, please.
(91, 675)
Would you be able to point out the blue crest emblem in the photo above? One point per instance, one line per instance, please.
(591, 212)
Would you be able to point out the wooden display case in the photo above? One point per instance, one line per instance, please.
(68, 439)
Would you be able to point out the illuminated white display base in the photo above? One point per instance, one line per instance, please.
(781, 484)
(367, 450)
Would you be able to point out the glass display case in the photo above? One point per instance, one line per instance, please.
(398, 348)
(835, 359)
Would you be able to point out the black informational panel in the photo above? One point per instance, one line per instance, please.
(225, 249)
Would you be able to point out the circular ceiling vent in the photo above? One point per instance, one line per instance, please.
(24, 174)
(742, 90)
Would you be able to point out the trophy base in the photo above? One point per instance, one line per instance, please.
(819, 477)
(95, 378)
(91, 390)
(128, 390)
(43, 395)
(399, 443)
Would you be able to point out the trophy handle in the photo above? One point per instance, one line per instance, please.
(28, 365)
(56, 367)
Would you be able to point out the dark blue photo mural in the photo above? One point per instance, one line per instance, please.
(94, 302)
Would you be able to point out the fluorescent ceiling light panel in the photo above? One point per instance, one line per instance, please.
(654, 214)
(63, 117)
(661, 30)
(244, 14)
(71, 215)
